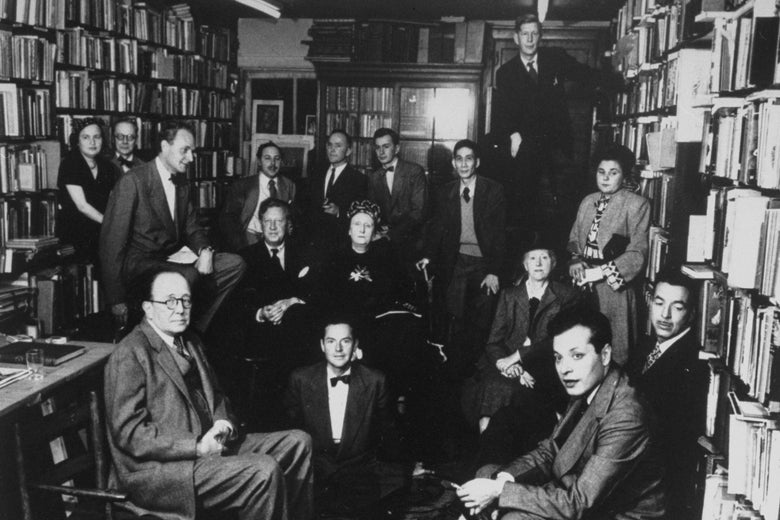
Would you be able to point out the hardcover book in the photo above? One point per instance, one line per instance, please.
(53, 354)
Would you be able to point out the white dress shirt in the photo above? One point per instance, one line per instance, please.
(337, 403)
(390, 175)
(280, 253)
(339, 169)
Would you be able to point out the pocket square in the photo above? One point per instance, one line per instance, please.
(303, 272)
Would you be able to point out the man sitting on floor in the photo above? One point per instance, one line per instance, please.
(343, 405)
(174, 446)
(599, 461)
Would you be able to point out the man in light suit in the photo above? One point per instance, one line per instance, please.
(600, 461)
(150, 217)
(465, 242)
(334, 191)
(343, 405)
(175, 448)
(125, 136)
(401, 190)
(667, 370)
(239, 220)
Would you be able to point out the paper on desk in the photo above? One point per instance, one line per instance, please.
(185, 255)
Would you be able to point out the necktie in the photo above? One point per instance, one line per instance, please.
(344, 379)
(532, 71)
(272, 189)
(466, 195)
(178, 342)
(275, 257)
(390, 169)
(125, 162)
(331, 180)
(533, 305)
(652, 357)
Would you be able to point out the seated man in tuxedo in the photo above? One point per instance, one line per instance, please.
(401, 190)
(666, 368)
(600, 461)
(333, 191)
(148, 222)
(125, 136)
(174, 445)
(277, 291)
(239, 221)
(343, 405)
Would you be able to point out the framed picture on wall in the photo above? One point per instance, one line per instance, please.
(311, 124)
(267, 116)
(295, 153)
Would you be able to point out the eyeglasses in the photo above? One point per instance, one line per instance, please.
(124, 138)
(186, 302)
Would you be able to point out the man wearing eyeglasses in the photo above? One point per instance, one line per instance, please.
(125, 136)
(175, 446)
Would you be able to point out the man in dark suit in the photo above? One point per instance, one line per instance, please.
(150, 217)
(175, 448)
(401, 190)
(666, 369)
(600, 461)
(465, 241)
(343, 405)
(531, 118)
(333, 192)
(239, 220)
(277, 290)
(125, 136)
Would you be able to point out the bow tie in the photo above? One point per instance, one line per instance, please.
(125, 162)
(179, 179)
(390, 169)
(344, 379)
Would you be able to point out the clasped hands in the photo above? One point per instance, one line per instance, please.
(511, 368)
(274, 312)
(479, 493)
(213, 441)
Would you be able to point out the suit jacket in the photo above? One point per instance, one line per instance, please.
(349, 187)
(366, 419)
(406, 208)
(265, 282)
(137, 226)
(537, 110)
(606, 469)
(442, 241)
(240, 205)
(627, 214)
(676, 387)
(153, 428)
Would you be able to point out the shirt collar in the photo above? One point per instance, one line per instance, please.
(469, 184)
(332, 373)
(167, 338)
(339, 169)
(265, 179)
(279, 248)
(128, 158)
(534, 59)
(165, 175)
(664, 345)
(535, 293)
(392, 164)
(592, 394)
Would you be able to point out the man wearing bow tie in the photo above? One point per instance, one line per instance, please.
(150, 217)
(175, 446)
(400, 189)
(666, 368)
(239, 220)
(125, 136)
(343, 405)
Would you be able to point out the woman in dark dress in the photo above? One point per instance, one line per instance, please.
(85, 180)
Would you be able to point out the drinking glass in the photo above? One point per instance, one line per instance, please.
(34, 358)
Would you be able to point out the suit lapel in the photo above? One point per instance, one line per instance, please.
(158, 201)
(250, 203)
(164, 358)
(399, 179)
(319, 401)
(547, 298)
(356, 409)
(205, 380)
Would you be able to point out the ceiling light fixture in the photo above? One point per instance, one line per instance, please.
(263, 6)
(541, 9)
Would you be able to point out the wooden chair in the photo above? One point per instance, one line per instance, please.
(80, 429)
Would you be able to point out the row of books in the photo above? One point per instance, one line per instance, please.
(24, 215)
(742, 141)
(43, 13)
(24, 56)
(29, 167)
(397, 42)
(649, 91)
(353, 99)
(658, 251)
(80, 48)
(658, 186)
(24, 111)
(208, 194)
(210, 164)
(745, 53)
(66, 293)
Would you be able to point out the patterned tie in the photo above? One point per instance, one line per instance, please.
(331, 180)
(466, 194)
(178, 342)
(652, 357)
(532, 71)
(275, 257)
(272, 189)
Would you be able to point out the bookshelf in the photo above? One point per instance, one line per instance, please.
(63, 60)
(718, 201)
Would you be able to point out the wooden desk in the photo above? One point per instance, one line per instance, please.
(16, 399)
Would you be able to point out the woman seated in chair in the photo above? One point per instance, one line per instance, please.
(367, 281)
(517, 366)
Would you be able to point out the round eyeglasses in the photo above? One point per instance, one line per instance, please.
(124, 138)
(171, 302)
